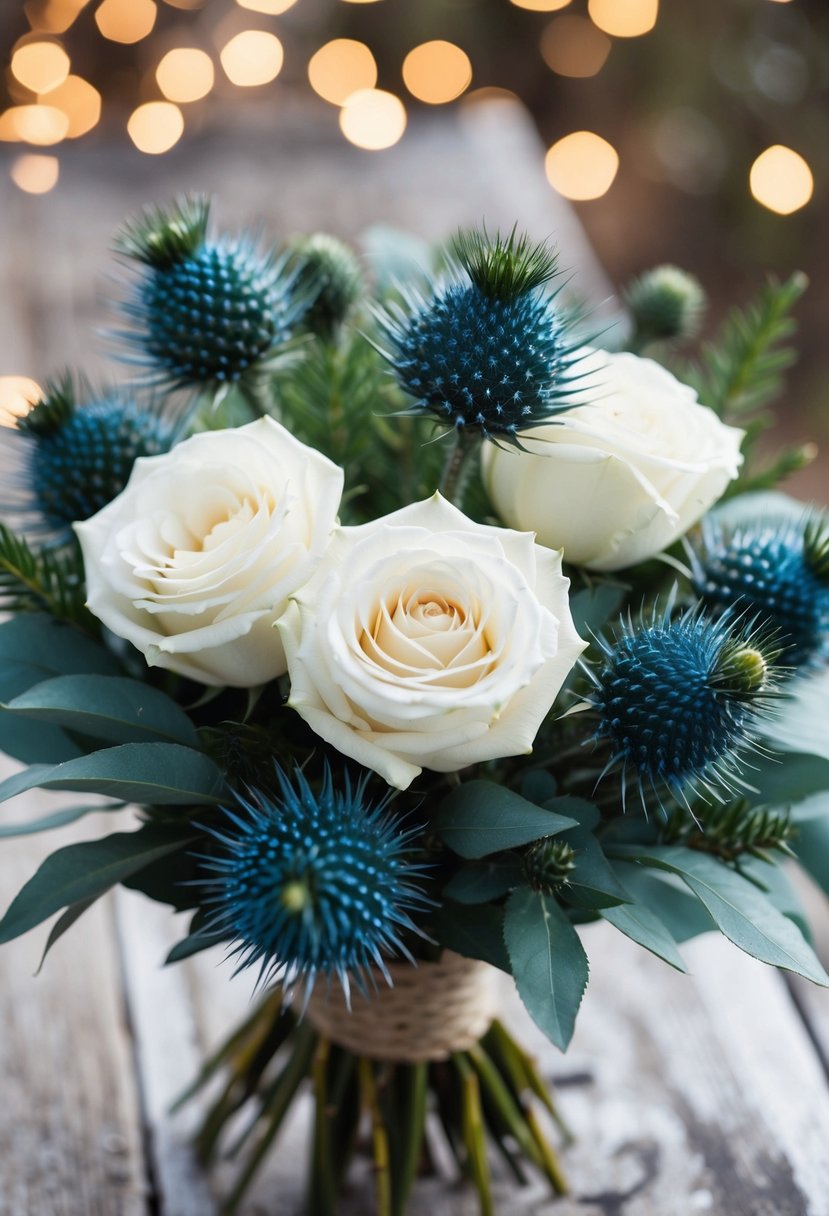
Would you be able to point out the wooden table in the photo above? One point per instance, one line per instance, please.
(701, 1094)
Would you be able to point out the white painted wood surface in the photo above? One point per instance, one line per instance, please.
(703, 1094)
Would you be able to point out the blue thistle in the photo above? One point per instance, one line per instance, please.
(678, 700)
(204, 311)
(314, 883)
(492, 353)
(72, 458)
(778, 568)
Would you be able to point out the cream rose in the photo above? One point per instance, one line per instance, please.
(624, 473)
(195, 560)
(425, 640)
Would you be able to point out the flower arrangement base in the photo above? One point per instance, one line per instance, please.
(430, 1043)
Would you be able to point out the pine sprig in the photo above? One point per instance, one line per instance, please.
(730, 830)
(503, 267)
(50, 580)
(742, 370)
(162, 236)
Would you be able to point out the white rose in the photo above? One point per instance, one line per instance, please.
(428, 641)
(195, 560)
(621, 476)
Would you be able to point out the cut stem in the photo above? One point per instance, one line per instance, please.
(458, 466)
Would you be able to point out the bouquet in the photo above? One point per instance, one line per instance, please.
(424, 625)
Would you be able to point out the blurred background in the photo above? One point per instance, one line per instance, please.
(691, 132)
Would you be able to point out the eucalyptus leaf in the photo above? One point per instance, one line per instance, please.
(194, 943)
(742, 913)
(480, 881)
(789, 777)
(480, 817)
(82, 872)
(586, 814)
(111, 708)
(638, 923)
(667, 897)
(547, 961)
(37, 641)
(161, 773)
(812, 848)
(592, 607)
(65, 921)
(472, 932)
(592, 882)
(58, 819)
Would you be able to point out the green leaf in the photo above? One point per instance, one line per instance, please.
(66, 921)
(58, 819)
(481, 881)
(591, 883)
(789, 777)
(481, 817)
(779, 890)
(640, 924)
(112, 708)
(472, 932)
(548, 962)
(160, 773)
(668, 899)
(592, 607)
(586, 814)
(51, 648)
(49, 578)
(194, 943)
(741, 912)
(811, 844)
(170, 879)
(84, 871)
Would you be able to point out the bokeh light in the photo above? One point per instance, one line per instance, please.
(274, 8)
(155, 127)
(35, 174)
(126, 20)
(781, 180)
(17, 396)
(34, 124)
(40, 66)
(340, 68)
(185, 74)
(360, 1)
(252, 58)
(624, 18)
(80, 102)
(541, 6)
(373, 119)
(581, 166)
(437, 72)
(572, 46)
(53, 16)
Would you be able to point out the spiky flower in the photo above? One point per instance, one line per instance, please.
(307, 883)
(666, 304)
(328, 275)
(777, 568)
(203, 310)
(490, 351)
(548, 865)
(73, 456)
(678, 700)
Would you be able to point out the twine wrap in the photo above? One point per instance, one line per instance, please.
(432, 1010)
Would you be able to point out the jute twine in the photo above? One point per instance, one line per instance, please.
(432, 1010)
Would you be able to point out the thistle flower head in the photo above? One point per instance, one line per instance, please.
(488, 351)
(203, 310)
(777, 568)
(308, 883)
(678, 700)
(73, 456)
(666, 304)
(328, 275)
(548, 864)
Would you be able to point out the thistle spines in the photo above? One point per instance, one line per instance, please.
(52, 410)
(741, 670)
(816, 547)
(548, 865)
(327, 274)
(162, 236)
(504, 267)
(667, 304)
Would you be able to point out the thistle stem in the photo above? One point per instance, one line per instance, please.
(458, 467)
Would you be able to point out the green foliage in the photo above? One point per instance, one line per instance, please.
(50, 580)
(481, 817)
(162, 236)
(591, 883)
(51, 411)
(475, 932)
(642, 926)
(547, 961)
(666, 304)
(729, 830)
(503, 267)
(82, 872)
(482, 881)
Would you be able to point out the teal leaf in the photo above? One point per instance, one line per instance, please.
(641, 925)
(591, 883)
(547, 961)
(50, 648)
(668, 899)
(65, 921)
(194, 943)
(789, 777)
(811, 844)
(472, 932)
(480, 881)
(593, 607)
(111, 708)
(586, 814)
(58, 819)
(742, 913)
(84, 871)
(160, 773)
(481, 817)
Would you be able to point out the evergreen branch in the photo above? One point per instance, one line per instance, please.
(743, 369)
(51, 580)
(732, 829)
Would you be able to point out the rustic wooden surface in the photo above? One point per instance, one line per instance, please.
(702, 1094)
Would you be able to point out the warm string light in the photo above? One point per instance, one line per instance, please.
(17, 396)
(437, 72)
(624, 18)
(252, 58)
(35, 174)
(273, 8)
(541, 6)
(155, 127)
(39, 66)
(573, 46)
(42, 125)
(126, 21)
(80, 102)
(781, 180)
(185, 74)
(581, 165)
(373, 119)
(340, 68)
(53, 16)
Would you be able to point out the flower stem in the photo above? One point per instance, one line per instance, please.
(458, 466)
